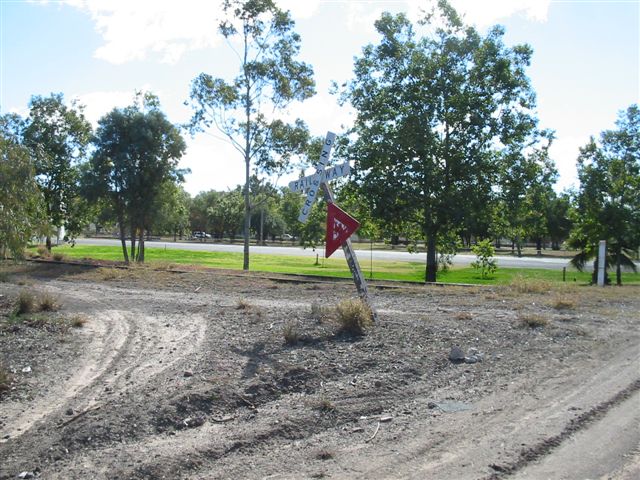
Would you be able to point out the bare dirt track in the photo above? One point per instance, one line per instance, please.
(182, 375)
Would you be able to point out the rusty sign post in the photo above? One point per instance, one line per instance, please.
(318, 181)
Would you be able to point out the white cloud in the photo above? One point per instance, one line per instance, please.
(300, 8)
(214, 164)
(97, 104)
(136, 29)
(564, 151)
(488, 12)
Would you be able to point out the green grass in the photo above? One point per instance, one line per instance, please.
(382, 270)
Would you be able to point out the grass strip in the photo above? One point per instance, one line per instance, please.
(302, 265)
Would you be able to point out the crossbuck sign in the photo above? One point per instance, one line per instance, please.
(318, 181)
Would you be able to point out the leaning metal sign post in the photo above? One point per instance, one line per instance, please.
(318, 181)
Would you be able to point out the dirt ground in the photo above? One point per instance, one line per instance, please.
(188, 375)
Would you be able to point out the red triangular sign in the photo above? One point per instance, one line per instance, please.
(340, 226)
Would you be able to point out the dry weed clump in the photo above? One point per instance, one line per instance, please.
(291, 333)
(47, 303)
(243, 304)
(5, 379)
(26, 303)
(521, 284)
(533, 320)
(78, 321)
(464, 316)
(108, 273)
(319, 312)
(42, 251)
(354, 316)
(4, 277)
(564, 302)
(58, 256)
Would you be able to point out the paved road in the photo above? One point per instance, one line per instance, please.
(363, 255)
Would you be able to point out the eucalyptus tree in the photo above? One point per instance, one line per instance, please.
(526, 191)
(57, 136)
(137, 152)
(21, 206)
(433, 113)
(269, 78)
(607, 204)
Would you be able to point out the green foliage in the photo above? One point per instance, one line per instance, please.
(269, 79)
(485, 262)
(57, 136)
(434, 115)
(21, 208)
(607, 205)
(137, 154)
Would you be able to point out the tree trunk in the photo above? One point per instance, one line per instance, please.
(141, 247)
(262, 226)
(432, 261)
(123, 240)
(48, 243)
(618, 265)
(134, 255)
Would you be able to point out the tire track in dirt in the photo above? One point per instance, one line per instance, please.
(124, 350)
(108, 336)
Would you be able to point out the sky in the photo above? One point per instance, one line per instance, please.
(585, 67)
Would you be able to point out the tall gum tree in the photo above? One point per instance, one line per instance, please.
(432, 113)
(607, 204)
(269, 79)
(137, 152)
(57, 136)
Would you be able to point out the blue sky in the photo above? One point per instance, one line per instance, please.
(585, 66)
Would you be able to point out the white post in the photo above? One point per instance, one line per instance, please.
(602, 252)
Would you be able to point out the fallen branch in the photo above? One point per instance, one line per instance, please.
(81, 414)
(374, 434)
(222, 420)
(251, 405)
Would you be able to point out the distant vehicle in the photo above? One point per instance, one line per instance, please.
(286, 236)
(200, 235)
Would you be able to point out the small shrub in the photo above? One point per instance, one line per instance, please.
(26, 303)
(354, 316)
(290, 333)
(5, 379)
(485, 262)
(78, 321)
(324, 454)
(48, 303)
(533, 320)
(42, 251)
(464, 316)
(58, 256)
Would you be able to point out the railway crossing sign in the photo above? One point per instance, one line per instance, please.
(331, 173)
(341, 226)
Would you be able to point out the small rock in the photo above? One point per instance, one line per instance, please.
(456, 355)
(471, 359)
(69, 411)
(188, 373)
(26, 370)
(432, 405)
(26, 475)
(385, 419)
(377, 383)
